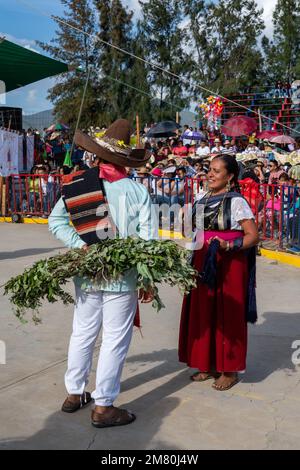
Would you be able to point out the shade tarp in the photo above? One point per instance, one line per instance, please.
(20, 66)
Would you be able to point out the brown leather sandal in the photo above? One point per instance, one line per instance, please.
(222, 388)
(203, 379)
(210, 375)
(112, 417)
(70, 406)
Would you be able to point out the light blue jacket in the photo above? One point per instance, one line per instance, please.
(131, 211)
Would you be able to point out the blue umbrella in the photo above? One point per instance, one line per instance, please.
(193, 135)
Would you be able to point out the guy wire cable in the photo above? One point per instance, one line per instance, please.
(152, 64)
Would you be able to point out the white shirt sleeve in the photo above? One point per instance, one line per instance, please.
(240, 210)
(59, 225)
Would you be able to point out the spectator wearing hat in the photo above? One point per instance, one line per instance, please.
(228, 148)
(218, 148)
(252, 148)
(260, 171)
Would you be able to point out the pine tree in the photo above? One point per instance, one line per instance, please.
(225, 36)
(77, 50)
(283, 52)
(115, 25)
(163, 38)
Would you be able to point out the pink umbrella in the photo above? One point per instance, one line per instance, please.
(239, 125)
(282, 139)
(267, 134)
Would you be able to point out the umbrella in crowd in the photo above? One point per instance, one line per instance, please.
(239, 125)
(58, 127)
(193, 135)
(163, 129)
(267, 134)
(282, 139)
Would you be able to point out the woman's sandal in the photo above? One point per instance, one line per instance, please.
(221, 388)
(113, 417)
(70, 406)
(203, 379)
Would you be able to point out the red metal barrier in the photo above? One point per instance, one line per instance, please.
(265, 201)
(32, 195)
(36, 195)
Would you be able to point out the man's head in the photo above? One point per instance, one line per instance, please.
(181, 172)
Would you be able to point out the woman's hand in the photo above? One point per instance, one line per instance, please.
(146, 296)
(223, 243)
(85, 247)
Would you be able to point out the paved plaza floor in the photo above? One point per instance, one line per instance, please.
(261, 412)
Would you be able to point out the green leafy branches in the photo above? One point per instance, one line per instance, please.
(155, 261)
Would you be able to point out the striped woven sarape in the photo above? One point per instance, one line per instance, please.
(84, 197)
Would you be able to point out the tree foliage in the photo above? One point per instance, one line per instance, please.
(76, 49)
(282, 53)
(225, 38)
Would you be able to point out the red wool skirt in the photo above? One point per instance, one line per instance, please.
(213, 327)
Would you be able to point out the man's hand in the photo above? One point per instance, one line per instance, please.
(146, 297)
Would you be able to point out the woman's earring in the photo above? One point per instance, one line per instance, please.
(228, 186)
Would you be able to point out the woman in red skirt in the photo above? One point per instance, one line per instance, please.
(213, 329)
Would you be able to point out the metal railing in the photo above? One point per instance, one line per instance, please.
(32, 195)
(276, 208)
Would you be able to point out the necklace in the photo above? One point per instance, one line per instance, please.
(215, 213)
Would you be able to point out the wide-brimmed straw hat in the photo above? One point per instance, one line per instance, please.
(114, 145)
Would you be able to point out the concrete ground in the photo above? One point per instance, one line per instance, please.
(261, 412)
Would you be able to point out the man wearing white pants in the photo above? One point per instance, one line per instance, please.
(110, 305)
(115, 313)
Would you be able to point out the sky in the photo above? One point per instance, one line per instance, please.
(25, 21)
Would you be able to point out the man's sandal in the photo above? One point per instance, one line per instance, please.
(70, 406)
(112, 417)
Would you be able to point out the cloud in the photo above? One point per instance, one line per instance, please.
(31, 96)
(134, 6)
(268, 6)
(27, 43)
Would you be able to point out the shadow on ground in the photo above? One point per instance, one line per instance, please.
(25, 252)
(62, 431)
(269, 351)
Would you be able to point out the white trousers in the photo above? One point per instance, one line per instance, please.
(115, 312)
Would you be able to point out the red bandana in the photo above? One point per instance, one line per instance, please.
(111, 172)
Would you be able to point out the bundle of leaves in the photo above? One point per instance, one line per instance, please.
(155, 261)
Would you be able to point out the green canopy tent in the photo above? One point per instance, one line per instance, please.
(20, 66)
